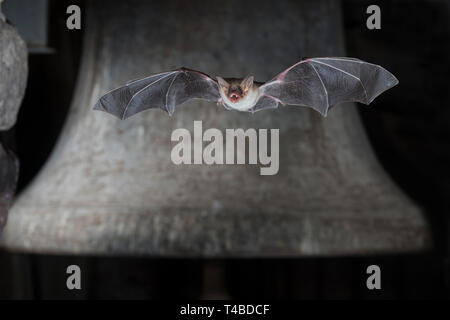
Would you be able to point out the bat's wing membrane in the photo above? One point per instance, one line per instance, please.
(321, 83)
(165, 91)
(265, 102)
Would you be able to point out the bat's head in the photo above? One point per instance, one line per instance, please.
(235, 89)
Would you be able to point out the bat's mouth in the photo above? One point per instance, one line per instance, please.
(234, 97)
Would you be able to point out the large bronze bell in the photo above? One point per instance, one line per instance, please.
(110, 186)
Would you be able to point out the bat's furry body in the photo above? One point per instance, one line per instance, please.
(318, 83)
(238, 99)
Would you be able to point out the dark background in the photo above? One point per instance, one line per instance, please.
(409, 131)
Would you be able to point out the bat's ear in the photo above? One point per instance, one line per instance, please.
(222, 82)
(247, 83)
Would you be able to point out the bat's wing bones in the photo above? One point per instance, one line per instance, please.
(321, 83)
(165, 90)
(265, 102)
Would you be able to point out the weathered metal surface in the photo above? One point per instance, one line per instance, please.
(110, 186)
(13, 73)
(9, 169)
(13, 76)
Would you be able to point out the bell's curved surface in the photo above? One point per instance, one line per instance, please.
(110, 186)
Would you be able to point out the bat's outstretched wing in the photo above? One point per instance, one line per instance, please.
(265, 102)
(165, 91)
(321, 83)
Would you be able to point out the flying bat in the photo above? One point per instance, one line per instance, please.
(317, 83)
